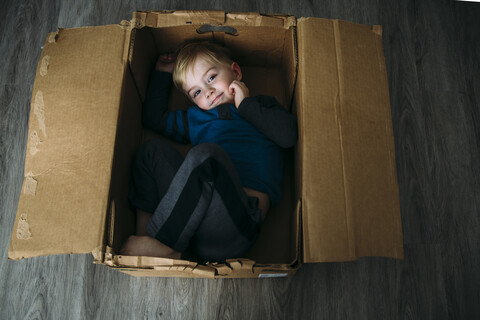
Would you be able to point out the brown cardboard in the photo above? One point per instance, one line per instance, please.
(349, 184)
(340, 194)
(62, 206)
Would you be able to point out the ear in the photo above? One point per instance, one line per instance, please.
(236, 71)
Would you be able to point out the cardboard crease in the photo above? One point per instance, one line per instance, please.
(339, 117)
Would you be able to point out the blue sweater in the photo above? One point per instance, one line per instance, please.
(254, 135)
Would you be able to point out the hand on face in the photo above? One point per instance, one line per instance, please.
(165, 62)
(239, 90)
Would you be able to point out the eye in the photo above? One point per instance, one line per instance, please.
(195, 94)
(210, 79)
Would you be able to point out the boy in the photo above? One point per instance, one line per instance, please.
(212, 202)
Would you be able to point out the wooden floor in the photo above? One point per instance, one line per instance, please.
(432, 51)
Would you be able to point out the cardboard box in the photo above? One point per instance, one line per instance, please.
(340, 194)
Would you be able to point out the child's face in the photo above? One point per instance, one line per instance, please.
(208, 84)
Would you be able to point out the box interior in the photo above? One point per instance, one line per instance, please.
(267, 56)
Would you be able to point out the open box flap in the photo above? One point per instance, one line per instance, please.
(157, 19)
(73, 119)
(349, 184)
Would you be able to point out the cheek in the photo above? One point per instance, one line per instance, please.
(201, 103)
(226, 87)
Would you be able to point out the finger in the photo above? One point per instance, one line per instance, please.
(166, 57)
(240, 85)
(232, 88)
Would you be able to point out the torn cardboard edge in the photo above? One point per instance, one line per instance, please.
(230, 268)
(170, 18)
(236, 268)
(59, 160)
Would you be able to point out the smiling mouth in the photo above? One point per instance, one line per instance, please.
(216, 99)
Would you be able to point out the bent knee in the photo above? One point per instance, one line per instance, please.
(203, 151)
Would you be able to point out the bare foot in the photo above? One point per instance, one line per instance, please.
(148, 246)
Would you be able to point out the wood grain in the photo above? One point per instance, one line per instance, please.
(432, 51)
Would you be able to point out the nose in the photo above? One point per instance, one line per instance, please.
(208, 91)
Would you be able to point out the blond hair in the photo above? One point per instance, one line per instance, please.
(188, 54)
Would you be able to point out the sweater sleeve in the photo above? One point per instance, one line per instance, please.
(271, 119)
(155, 113)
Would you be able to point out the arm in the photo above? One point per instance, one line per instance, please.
(271, 119)
(155, 113)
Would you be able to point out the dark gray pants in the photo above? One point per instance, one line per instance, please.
(198, 203)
